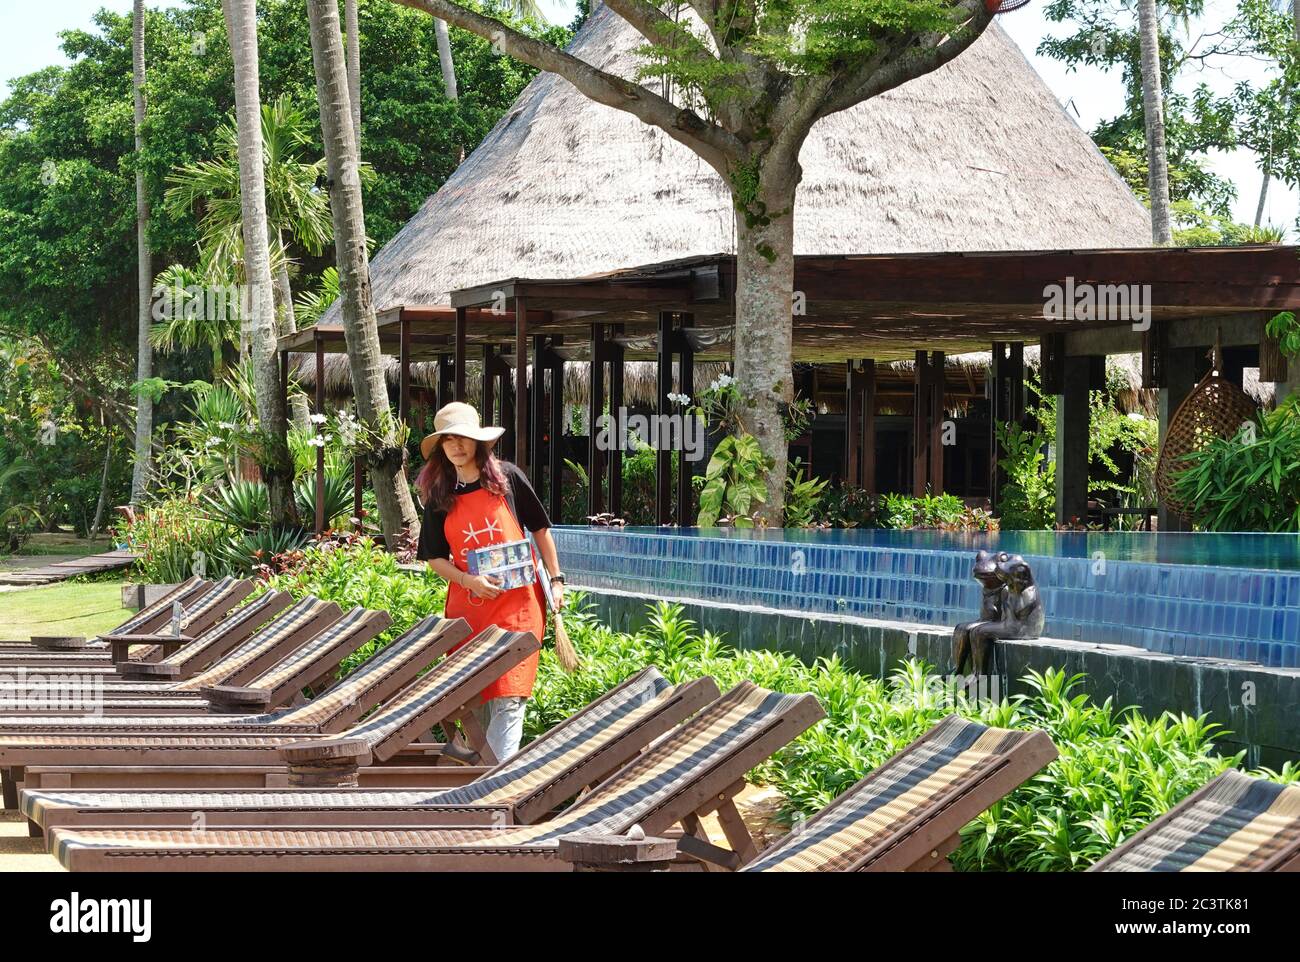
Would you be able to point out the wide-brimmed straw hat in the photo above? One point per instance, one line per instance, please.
(460, 419)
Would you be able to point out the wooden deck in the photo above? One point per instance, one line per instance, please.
(71, 568)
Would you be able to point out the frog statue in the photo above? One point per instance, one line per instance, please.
(1010, 607)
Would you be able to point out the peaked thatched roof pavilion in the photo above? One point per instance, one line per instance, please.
(978, 155)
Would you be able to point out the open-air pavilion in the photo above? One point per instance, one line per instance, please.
(858, 311)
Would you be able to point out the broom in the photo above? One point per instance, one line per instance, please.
(565, 653)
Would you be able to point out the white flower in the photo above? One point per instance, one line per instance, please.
(316, 442)
(319, 418)
(721, 381)
(228, 426)
(680, 398)
(212, 442)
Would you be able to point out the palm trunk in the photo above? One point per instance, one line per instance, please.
(445, 61)
(1153, 107)
(385, 456)
(448, 72)
(143, 467)
(764, 358)
(274, 460)
(288, 324)
(353, 53)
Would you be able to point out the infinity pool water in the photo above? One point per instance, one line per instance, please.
(1233, 596)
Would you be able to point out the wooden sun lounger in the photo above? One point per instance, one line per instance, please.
(579, 752)
(1233, 824)
(695, 769)
(309, 664)
(443, 696)
(906, 815)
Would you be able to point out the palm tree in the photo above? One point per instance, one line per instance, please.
(384, 454)
(194, 320)
(144, 273)
(274, 460)
(352, 25)
(1153, 107)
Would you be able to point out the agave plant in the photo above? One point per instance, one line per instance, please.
(338, 497)
(241, 504)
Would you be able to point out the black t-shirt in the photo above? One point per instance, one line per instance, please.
(521, 497)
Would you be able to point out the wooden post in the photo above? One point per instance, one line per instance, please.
(404, 371)
(506, 394)
(920, 422)
(320, 452)
(537, 415)
(458, 352)
(938, 382)
(663, 456)
(488, 401)
(852, 424)
(1155, 347)
(556, 461)
(686, 469)
(867, 434)
(616, 357)
(595, 408)
(521, 452)
(358, 486)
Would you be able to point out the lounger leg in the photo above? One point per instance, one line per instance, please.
(9, 787)
(704, 852)
(737, 832)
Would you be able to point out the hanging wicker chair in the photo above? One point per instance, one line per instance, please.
(1216, 408)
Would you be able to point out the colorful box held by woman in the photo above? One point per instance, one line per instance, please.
(510, 561)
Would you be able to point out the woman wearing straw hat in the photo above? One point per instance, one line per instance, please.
(471, 499)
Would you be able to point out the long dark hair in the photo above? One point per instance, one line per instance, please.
(437, 479)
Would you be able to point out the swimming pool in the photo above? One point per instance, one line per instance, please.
(1216, 595)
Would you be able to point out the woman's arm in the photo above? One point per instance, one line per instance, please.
(481, 586)
(551, 558)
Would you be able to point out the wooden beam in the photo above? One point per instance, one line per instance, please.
(867, 433)
(488, 402)
(663, 457)
(595, 408)
(458, 353)
(937, 421)
(852, 424)
(616, 362)
(556, 464)
(920, 422)
(685, 513)
(522, 454)
(1272, 362)
(537, 416)
(404, 371)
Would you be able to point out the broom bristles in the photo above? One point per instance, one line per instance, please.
(565, 653)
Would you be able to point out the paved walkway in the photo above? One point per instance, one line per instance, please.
(18, 851)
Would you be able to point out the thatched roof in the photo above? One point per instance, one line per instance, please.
(978, 155)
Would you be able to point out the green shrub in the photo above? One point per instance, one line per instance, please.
(356, 571)
(176, 540)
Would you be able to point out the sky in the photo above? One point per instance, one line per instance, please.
(29, 41)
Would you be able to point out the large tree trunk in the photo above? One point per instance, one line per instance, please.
(143, 467)
(352, 25)
(1153, 107)
(384, 454)
(763, 352)
(102, 504)
(274, 461)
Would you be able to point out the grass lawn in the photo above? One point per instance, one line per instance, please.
(65, 609)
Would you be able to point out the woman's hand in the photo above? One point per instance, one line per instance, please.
(557, 592)
(482, 586)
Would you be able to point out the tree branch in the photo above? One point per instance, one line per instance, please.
(894, 67)
(712, 143)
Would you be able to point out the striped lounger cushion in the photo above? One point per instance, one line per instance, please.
(1236, 824)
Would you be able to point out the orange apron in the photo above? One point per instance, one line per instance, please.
(478, 519)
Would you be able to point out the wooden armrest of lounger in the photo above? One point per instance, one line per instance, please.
(148, 671)
(330, 763)
(236, 700)
(121, 646)
(63, 643)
